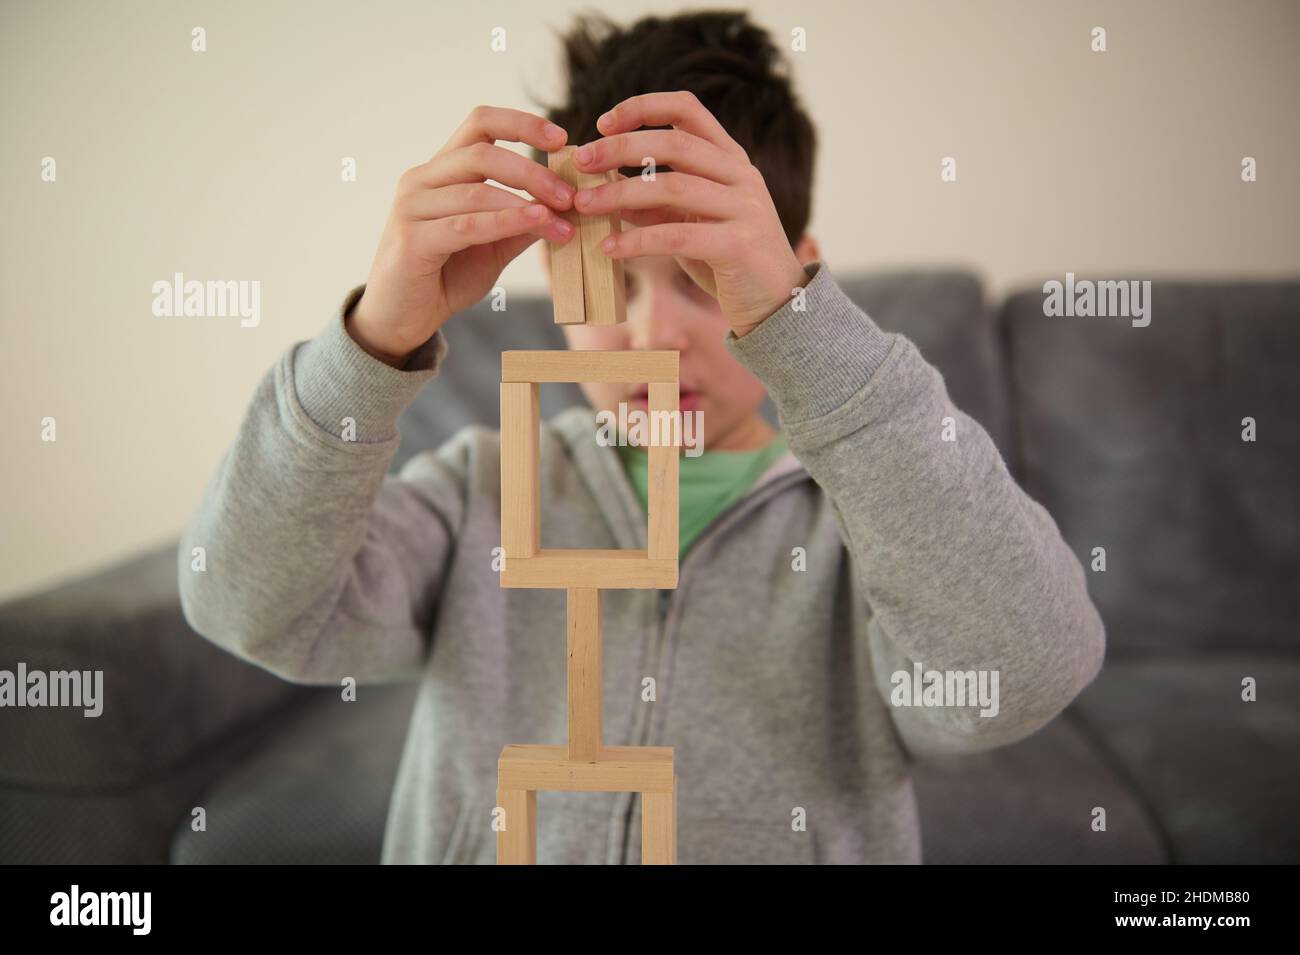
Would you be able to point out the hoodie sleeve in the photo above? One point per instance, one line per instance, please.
(960, 568)
(305, 556)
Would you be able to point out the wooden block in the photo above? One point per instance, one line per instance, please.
(664, 459)
(585, 684)
(626, 769)
(602, 277)
(521, 494)
(659, 827)
(567, 289)
(517, 842)
(627, 367)
(562, 569)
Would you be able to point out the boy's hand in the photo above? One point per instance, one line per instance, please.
(449, 233)
(712, 213)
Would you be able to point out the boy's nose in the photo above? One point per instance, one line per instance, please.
(659, 326)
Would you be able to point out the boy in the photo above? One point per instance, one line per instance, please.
(776, 674)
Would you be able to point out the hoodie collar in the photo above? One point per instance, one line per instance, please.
(603, 473)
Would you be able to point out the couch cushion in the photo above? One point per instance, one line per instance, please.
(1131, 438)
(942, 312)
(169, 695)
(1222, 775)
(316, 794)
(115, 825)
(1032, 802)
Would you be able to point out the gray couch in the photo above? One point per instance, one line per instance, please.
(1130, 437)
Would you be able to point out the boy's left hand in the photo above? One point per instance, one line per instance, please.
(712, 213)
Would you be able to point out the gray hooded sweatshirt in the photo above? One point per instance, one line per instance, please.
(888, 551)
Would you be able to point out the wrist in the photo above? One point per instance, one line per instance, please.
(357, 325)
(796, 277)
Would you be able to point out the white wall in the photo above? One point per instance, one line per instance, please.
(225, 165)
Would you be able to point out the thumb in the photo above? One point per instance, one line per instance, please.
(510, 249)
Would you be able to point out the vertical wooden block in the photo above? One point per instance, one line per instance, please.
(605, 301)
(584, 674)
(664, 460)
(567, 291)
(659, 827)
(521, 490)
(517, 842)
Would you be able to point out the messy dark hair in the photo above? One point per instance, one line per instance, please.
(725, 59)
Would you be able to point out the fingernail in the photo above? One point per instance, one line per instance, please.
(563, 227)
(553, 132)
(583, 155)
(582, 197)
(608, 243)
(604, 118)
(564, 193)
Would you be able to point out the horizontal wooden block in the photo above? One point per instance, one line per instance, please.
(557, 568)
(628, 367)
(619, 769)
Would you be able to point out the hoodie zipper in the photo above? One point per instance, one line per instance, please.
(664, 603)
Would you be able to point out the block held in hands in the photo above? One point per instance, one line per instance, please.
(587, 285)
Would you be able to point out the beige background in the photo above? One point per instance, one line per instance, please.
(225, 165)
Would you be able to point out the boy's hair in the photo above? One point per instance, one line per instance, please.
(727, 61)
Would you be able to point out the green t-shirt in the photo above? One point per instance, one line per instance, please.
(707, 484)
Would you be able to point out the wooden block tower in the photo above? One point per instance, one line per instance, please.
(588, 289)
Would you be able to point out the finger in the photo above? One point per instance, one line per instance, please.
(683, 151)
(456, 233)
(510, 249)
(708, 242)
(481, 161)
(487, 124)
(644, 217)
(674, 190)
(456, 199)
(681, 110)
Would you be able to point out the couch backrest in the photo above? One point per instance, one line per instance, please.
(942, 312)
(1132, 438)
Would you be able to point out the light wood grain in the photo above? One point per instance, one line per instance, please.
(563, 569)
(662, 491)
(632, 769)
(517, 842)
(584, 674)
(602, 277)
(627, 367)
(521, 526)
(659, 827)
(568, 289)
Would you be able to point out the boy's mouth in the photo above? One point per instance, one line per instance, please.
(688, 399)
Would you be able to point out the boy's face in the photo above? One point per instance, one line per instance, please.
(667, 310)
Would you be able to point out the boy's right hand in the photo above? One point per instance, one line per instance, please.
(450, 233)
